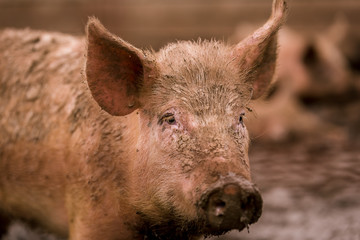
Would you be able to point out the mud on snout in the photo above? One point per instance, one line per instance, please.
(230, 203)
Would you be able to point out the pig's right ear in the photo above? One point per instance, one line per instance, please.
(114, 70)
(257, 53)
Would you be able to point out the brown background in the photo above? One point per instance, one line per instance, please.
(153, 23)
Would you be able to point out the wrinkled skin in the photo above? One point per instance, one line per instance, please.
(166, 159)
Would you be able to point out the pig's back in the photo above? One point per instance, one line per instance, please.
(40, 76)
(40, 90)
(54, 138)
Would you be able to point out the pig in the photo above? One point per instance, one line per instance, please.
(137, 145)
(311, 69)
(343, 35)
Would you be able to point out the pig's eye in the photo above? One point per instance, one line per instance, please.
(169, 118)
(241, 119)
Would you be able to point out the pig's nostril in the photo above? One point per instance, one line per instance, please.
(243, 206)
(219, 207)
(219, 203)
(248, 202)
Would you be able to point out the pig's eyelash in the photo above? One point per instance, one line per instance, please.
(169, 118)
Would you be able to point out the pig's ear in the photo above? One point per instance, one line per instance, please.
(257, 53)
(114, 70)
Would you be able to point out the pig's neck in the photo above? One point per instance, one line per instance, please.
(103, 149)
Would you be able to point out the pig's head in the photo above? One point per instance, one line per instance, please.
(191, 173)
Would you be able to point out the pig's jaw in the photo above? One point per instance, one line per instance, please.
(171, 230)
(204, 221)
(172, 226)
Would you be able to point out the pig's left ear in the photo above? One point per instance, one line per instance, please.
(257, 53)
(115, 70)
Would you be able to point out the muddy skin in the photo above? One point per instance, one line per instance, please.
(121, 143)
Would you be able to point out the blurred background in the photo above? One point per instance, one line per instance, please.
(305, 151)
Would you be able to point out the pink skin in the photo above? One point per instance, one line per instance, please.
(168, 156)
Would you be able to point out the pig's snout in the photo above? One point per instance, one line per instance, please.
(232, 206)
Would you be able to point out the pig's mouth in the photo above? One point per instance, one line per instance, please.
(230, 204)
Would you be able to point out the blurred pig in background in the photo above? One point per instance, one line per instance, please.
(312, 69)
